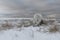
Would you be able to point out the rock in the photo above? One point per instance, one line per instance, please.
(51, 19)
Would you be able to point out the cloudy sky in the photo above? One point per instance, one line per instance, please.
(27, 8)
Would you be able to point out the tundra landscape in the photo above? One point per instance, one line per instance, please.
(29, 19)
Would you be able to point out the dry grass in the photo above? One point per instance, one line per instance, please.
(53, 28)
(7, 25)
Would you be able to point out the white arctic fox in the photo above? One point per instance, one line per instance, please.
(37, 19)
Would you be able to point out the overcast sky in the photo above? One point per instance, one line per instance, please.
(29, 7)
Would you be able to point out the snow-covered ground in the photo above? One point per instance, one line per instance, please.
(29, 33)
(26, 33)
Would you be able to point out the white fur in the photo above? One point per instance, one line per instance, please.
(37, 18)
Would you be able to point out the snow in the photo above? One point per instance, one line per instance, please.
(29, 33)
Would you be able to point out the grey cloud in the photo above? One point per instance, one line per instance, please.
(27, 8)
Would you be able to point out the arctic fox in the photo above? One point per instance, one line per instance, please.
(37, 19)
